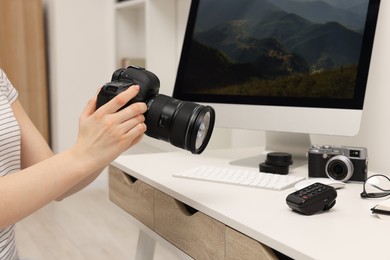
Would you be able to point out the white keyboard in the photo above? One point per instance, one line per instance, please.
(242, 177)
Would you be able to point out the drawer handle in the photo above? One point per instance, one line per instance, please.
(186, 209)
(129, 178)
(190, 209)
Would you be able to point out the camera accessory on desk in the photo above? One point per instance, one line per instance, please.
(276, 162)
(377, 187)
(184, 124)
(312, 199)
(335, 165)
(340, 163)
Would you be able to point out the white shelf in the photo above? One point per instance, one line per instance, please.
(150, 33)
(129, 4)
(130, 39)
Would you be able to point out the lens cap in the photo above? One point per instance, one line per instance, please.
(276, 162)
(279, 159)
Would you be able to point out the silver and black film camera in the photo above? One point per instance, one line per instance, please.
(339, 163)
(184, 124)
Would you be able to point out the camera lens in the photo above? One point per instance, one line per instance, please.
(339, 168)
(184, 124)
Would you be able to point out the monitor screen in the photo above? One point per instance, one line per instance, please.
(296, 66)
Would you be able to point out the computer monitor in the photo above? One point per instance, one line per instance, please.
(289, 67)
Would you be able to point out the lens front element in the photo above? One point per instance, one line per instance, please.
(202, 131)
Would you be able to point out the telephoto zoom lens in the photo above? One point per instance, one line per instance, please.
(186, 125)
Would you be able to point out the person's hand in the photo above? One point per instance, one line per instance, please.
(105, 133)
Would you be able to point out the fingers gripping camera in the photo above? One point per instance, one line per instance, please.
(186, 125)
(338, 163)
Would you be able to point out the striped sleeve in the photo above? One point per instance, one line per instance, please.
(6, 87)
(9, 128)
(9, 156)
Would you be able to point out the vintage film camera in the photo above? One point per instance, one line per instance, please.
(184, 124)
(338, 163)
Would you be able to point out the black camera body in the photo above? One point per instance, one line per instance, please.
(184, 124)
(339, 163)
(122, 79)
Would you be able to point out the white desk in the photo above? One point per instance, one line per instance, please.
(347, 231)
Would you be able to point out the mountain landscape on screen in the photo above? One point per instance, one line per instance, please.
(293, 48)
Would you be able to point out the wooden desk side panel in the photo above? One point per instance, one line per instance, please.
(135, 198)
(241, 247)
(198, 235)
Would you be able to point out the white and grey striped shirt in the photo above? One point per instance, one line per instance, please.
(9, 156)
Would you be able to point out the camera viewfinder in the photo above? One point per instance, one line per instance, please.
(354, 153)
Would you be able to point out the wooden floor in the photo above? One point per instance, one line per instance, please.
(83, 227)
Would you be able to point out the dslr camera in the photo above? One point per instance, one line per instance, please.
(186, 125)
(338, 163)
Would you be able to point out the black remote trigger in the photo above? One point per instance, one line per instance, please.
(312, 199)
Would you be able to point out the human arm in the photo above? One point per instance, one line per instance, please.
(34, 148)
(45, 178)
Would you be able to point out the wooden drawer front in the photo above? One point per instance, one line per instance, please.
(133, 196)
(241, 247)
(197, 234)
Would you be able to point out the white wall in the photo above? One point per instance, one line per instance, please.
(79, 61)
